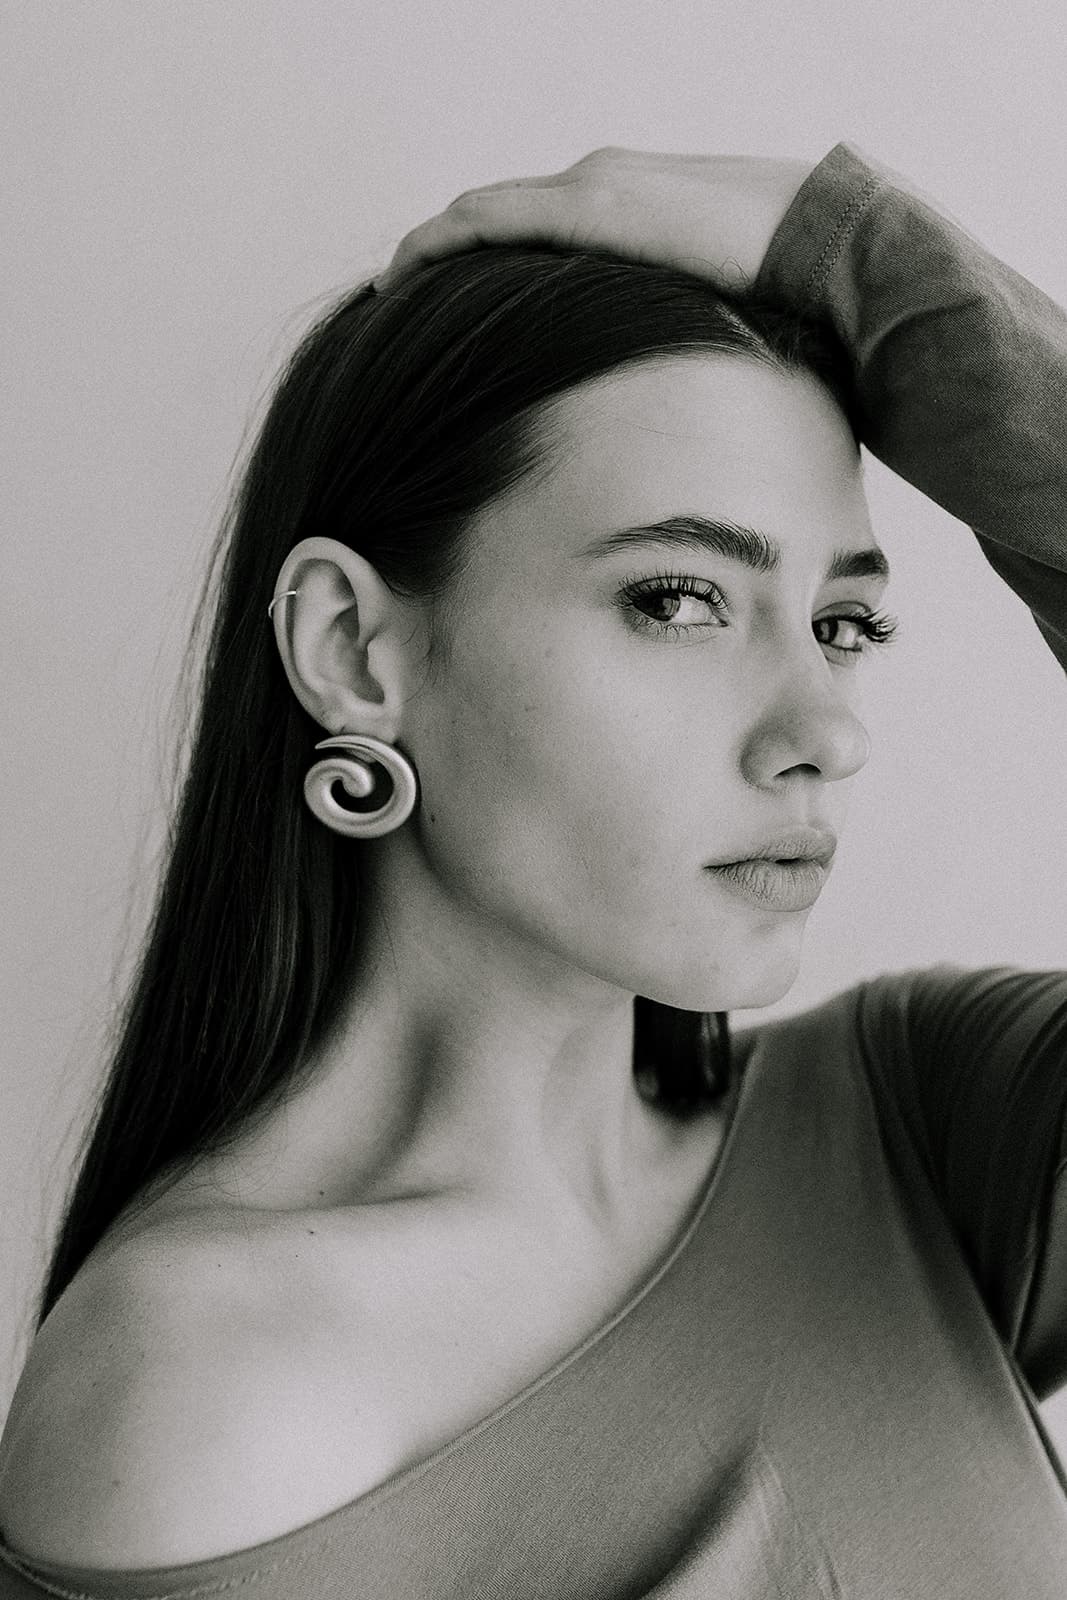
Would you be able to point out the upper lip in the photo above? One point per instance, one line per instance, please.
(808, 843)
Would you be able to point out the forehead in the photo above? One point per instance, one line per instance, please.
(705, 434)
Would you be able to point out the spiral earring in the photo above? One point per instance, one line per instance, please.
(348, 766)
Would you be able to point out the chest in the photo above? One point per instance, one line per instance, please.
(458, 1332)
(326, 1358)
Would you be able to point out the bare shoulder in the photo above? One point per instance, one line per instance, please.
(169, 1366)
(219, 1378)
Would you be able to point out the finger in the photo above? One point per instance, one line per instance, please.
(532, 210)
(513, 183)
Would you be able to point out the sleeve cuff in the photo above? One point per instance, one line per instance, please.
(816, 229)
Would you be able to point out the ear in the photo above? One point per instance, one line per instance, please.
(344, 639)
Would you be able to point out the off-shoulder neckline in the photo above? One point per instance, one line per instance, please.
(197, 1575)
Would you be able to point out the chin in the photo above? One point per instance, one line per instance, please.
(766, 993)
(752, 977)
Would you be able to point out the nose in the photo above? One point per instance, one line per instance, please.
(807, 724)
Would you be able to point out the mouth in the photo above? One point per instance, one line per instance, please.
(777, 883)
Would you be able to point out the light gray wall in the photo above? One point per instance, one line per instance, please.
(187, 182)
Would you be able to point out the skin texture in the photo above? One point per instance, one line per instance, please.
(576, 775)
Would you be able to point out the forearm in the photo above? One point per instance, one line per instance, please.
(960, 364)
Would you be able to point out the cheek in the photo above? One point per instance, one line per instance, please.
(553, 783)
(575, 808)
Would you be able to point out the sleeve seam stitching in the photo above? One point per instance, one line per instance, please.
(839, 238)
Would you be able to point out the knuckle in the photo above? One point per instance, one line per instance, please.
(606, 156)
(463, 203)
(414, 236)
(600, 174)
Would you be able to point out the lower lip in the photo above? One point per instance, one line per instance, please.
(774, 886)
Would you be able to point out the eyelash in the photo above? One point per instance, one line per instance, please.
(878, 627)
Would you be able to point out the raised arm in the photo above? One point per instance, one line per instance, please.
(960, 364)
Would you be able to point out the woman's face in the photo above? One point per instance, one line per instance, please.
(587, 750)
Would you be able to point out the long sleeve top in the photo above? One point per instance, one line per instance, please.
(828, 1389)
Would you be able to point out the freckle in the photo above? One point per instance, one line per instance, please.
(321, 1193)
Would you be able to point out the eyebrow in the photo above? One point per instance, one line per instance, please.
(735, 542)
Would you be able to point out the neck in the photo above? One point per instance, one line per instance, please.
(470, 1061)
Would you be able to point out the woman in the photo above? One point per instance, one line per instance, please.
(435, 1236)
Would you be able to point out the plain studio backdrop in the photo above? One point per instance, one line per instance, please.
(189, 183)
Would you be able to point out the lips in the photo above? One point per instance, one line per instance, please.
(804, 843)
(783, 872)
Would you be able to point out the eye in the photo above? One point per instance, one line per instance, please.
(870, 628)
(669, 590)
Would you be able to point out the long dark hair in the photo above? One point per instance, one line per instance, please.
(393, 423)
